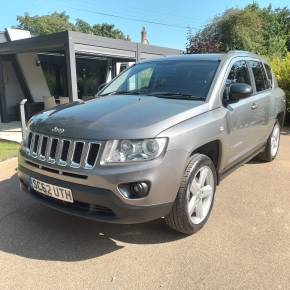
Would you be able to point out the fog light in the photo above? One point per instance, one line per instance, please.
(135, 189)
(140, 189)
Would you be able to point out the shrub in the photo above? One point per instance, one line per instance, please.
(281, 69)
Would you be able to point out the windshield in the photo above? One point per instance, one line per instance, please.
(176, 78)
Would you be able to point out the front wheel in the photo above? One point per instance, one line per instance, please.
(272, 146)
(195, 197)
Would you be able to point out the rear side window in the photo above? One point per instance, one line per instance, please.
(269, 74)
(260, 77)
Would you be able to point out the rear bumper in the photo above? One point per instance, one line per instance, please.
(93, 203)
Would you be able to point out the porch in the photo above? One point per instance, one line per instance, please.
(66, 64)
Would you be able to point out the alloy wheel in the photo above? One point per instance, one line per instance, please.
(200, 194)
(275, 139)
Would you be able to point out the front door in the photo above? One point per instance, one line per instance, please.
(240, 117)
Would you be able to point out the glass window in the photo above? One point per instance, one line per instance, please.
(54, 70)
(190, 77)
(239, 73)
(269, 74)
(261, 80)
(141, 80)
(91, 73)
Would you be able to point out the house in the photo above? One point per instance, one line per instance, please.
(66, 64)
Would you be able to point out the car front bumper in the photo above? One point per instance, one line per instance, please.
(98, 197)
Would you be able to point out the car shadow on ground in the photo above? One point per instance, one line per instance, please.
(31, 230)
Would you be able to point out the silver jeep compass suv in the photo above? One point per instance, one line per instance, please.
(156, 141)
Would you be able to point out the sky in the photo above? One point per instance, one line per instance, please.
(166, 22)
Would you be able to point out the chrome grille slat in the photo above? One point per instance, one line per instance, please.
(50, 149)
(58, 150)
(32, 144)
(71, 153)
(85, 154)
(39, 145)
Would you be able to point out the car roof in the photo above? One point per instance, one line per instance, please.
(208, 56)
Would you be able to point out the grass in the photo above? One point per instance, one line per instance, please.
(8, 149)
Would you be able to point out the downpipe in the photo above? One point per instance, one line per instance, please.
(23, 119)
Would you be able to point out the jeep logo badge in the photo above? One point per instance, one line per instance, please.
(57, 130)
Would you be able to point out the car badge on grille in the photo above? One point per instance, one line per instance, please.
(57, 130)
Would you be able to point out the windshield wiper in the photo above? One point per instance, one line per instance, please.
(176, 95)
(133, 92)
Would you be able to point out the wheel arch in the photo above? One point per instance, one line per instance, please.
(281, 118)
(213, 150)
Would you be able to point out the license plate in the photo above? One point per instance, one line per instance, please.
(54, 191)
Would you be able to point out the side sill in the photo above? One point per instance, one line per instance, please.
(228, 171)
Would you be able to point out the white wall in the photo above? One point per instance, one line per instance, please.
(34, 76)
(13, 91)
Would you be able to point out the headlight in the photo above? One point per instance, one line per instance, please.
(118, 151)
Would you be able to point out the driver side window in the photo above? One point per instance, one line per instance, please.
(239, 73)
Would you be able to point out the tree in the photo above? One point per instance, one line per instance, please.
(106, 30)
(45, 24)
(57, 22)
(265, 31)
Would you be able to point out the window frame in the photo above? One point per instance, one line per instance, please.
(272, 79)
(255, 92)
(231, 64)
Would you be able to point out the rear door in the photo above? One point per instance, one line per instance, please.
(261, 101)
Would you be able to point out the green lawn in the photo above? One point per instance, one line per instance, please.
(8, 149)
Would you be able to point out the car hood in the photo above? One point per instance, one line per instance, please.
(116, 117)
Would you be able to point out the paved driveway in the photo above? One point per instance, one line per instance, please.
(245, 245)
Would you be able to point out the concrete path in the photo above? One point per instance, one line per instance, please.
(245, 244)
(11, 131)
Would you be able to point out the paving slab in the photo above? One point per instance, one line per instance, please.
(11, 131)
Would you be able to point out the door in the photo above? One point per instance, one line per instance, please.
(261, 102)
(240, 116)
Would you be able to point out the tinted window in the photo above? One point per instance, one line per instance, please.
(259, 75)
(192, 77)
(269, 74)
(239, 73)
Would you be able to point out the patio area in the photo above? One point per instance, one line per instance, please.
(11, 131)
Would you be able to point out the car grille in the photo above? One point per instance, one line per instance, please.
(62, 151)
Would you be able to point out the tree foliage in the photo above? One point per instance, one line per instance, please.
(281, 69)
(57, 22)
(262, 30)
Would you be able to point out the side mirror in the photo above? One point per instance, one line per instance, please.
(101, 86)
(239, 91)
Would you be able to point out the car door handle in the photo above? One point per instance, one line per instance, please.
(254, 106)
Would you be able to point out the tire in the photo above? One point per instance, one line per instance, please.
(270, 152)
(193, 196)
